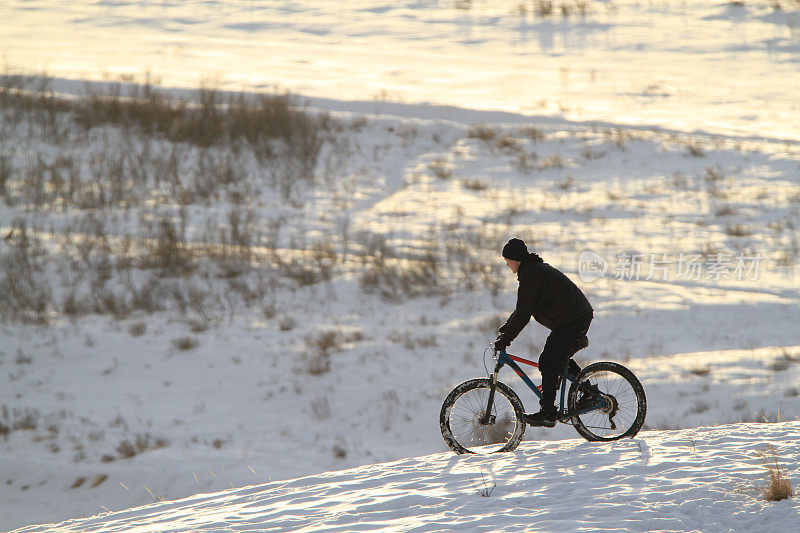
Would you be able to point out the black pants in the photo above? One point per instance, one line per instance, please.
(558, 350)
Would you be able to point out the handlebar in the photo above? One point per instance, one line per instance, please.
(495, 356)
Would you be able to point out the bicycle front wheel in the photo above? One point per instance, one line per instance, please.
(616, 406)
(465, 426)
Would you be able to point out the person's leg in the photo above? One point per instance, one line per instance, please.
(573, 368)
(557, 355)
(552, 361)
(582, 326)
(554, 357)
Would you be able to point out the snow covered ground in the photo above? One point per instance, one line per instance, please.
(109, 412)
(325, 348)
(703, 479)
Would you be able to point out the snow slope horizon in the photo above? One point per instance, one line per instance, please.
(421, 111)
(655, 63)
(702, 479)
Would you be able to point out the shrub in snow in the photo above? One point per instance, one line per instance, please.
(185, 343)
(25, 293)
(778, 487)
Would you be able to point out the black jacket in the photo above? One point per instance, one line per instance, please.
(546, 294)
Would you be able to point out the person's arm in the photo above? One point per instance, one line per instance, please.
(519, 318)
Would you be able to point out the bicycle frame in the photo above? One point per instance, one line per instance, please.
(503, 359)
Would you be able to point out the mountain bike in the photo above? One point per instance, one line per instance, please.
(604, 402)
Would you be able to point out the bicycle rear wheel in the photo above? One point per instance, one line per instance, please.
(464, 428)
(620, 409)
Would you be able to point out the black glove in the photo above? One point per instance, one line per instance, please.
(500, 344)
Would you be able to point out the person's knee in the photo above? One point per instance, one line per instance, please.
(554, 357)
(573, 367)
(550, 365)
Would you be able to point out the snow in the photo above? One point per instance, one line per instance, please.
(653, 129)
(240, 408)
(699, 65)
(702, 479)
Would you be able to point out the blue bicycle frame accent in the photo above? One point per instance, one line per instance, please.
(504, 358)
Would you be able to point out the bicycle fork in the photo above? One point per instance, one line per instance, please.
(488, 418)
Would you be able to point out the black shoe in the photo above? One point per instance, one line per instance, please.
(588, 401)
(542, 418)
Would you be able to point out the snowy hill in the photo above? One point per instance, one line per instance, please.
(703, 479)
(204, 391)
(246, 371)
(191, 301)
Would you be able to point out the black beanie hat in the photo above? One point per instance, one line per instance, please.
(515, 250)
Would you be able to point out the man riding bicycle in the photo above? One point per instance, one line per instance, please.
(555, 302)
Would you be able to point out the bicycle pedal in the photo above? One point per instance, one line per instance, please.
(538, 421)
(542, 423)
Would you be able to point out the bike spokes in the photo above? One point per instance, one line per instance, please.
(621, 407)
(469, 428)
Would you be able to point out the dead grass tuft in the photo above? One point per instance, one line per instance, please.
(508, 143)
(533, 132)
(143, 442)
(738, 230)
(701, 371)
(25, 293)
(137, 329)
(318, 358)
(778, 487)
(185, 343)
(695, 148)
(483, 132)
(475, 185)
(543, 8)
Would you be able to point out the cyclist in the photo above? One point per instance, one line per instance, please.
(555, 302)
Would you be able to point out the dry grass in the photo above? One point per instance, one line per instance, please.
(86, 270)
(143, 442)
(130, 169)
(185, 343)
(778, 487)
(509, 144)
(326, 342)
(440, 169)
(701, 371)
(543, 8)
(150, 154)
(483, 132)
(318, 357)
(738, 230)
(448, 261)
(209, 136)
(725, 211)
(320, 408)
(554, 161)
(475, 185)
(287, 323)
(167, 248)
(400, 279)
(695, 148)
(211, 118)
(25, 293)
(533, 132)
(137, 329)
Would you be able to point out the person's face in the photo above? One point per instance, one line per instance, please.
(513, 265)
